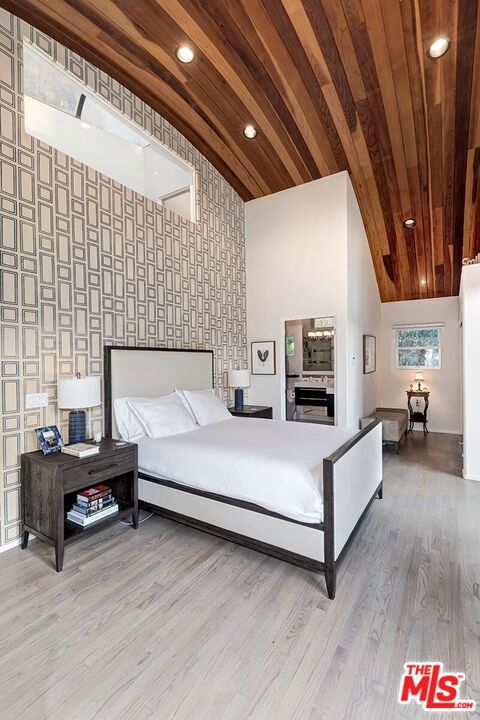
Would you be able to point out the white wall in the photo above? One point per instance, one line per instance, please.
(470, 312)
(297, 266)
(296, 259)
(364, 315)
(445, 411)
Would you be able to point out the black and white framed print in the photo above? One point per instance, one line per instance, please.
(369, 354)
(263, 357)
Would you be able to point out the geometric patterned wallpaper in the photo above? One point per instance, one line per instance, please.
(85, 262)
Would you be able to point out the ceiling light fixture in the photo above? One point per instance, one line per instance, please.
(438, 48)
(250, 132)
(185, 54)
(84, 125)
(409, 223)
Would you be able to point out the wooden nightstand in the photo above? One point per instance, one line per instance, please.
(256, 411)
(50, 484)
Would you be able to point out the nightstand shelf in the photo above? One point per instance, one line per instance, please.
(72, 531)
(50, 484)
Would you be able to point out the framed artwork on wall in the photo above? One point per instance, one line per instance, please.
(369, 354)
(263, 357)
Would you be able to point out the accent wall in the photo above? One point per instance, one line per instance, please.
(87, 262)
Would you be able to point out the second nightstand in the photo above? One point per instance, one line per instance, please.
(50, 484)
(256, 411)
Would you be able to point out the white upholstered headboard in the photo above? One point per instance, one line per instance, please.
(151, 372)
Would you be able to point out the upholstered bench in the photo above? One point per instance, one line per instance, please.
(394, 424)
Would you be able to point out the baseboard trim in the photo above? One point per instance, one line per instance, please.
(467, 476)
(15, 543)
(11, 545)
(436, 430)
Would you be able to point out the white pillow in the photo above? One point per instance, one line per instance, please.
(181, 395)
(206, 406)
(163, 416)
(128, 424)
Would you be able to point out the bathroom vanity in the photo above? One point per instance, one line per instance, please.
(310, 393)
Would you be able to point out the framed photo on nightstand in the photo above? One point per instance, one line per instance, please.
(263, 358)
(50, 439)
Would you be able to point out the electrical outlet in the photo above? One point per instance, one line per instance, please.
(36, 400)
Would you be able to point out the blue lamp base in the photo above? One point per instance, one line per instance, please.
(238, 398)
(77, 426)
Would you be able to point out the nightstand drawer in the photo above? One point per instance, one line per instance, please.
(97, 471)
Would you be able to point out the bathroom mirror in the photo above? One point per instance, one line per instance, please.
(318, 345)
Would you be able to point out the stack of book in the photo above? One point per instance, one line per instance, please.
(81, 450)
(93, 504)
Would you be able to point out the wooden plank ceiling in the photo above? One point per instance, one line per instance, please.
(331, 85)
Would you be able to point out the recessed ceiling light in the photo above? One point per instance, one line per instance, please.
(85, 125)
(409, 223)
(185, 54)
(438, 48)
(250, 132)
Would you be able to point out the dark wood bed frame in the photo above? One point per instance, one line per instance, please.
(328, 567)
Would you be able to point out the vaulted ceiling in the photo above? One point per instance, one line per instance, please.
(331, 85)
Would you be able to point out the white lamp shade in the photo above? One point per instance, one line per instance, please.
(76, 393)
(238, 378)
(419, 376)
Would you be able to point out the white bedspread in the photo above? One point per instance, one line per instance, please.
(277, 465)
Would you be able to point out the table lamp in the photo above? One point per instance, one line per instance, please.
(74, 393)
(238, 379)
(419, 379)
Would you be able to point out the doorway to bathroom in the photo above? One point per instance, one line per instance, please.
(310, 370)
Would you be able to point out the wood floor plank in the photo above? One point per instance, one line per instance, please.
(169, 623)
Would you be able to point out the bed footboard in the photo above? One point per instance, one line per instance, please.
(352, 477)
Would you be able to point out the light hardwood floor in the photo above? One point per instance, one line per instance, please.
(168, 622)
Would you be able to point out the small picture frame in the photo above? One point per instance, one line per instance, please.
(369, 354)
(263, 357)
(50, 439)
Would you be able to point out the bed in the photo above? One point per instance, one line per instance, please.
(294, 491)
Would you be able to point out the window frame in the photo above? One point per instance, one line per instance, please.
(95, 97)
(396, 347)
